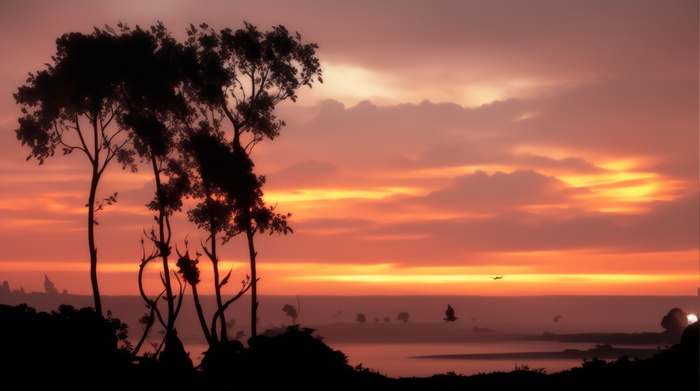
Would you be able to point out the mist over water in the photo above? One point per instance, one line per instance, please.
(386, 344)
(398, 360)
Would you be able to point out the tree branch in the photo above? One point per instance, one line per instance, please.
(82, 140)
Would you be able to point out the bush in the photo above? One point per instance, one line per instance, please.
(67, 348)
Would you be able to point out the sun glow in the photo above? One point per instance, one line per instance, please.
(310, 195)
(509, 285)
(352, 84)
(604, 178)
(518, 278)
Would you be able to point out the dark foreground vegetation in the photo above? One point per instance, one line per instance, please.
(78, 349)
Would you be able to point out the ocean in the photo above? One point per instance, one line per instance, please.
(398, 360)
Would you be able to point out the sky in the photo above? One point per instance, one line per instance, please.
(554, 143)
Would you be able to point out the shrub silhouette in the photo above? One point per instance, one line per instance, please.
(283, 357)
(70, 345)
(403, 316)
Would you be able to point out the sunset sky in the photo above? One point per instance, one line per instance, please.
(554, 143)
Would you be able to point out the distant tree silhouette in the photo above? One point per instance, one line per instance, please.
(72, 105)
(403, 316)
(337, 316)
(290, 311)
(675, 322)
(240, 76)
(361, 318)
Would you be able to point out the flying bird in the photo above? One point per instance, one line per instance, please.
(558, 318)
(450, 314)
(496, 278)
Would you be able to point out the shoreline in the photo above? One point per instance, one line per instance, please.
(605, 352)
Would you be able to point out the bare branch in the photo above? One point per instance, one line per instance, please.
(223, 308)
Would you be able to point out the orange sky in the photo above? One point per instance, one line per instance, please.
(553, 143)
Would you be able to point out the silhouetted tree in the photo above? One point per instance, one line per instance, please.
(403, 316)
(241, 76)
(337, 316)
(72, 105)
(290, 311)
(155, 113)
(214, 166)
(675, 322)
(190, 272)
(361, 318)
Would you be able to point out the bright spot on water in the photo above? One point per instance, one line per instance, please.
(692, 318)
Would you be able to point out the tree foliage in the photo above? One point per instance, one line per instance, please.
(675, 322)
(238, 77)
(72, 104)
(193, 111)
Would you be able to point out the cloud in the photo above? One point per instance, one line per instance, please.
(568, 164)
(577, 128)
(669, 226)
(622, 116)
(469, 52)
(305, 174)
(502, 190)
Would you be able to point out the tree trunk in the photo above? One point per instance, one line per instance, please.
(200, 314)
(217, 284)
(253, 284)
(91, 240)
(164, 249)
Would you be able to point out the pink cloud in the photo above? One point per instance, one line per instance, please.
(478, 190)
(304, 174)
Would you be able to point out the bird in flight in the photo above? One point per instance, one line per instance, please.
(450, 314)
(496, 278)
